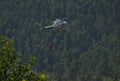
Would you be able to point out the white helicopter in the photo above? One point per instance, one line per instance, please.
(57, 24)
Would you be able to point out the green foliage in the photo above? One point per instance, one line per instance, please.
(90, 51)
(107, 79)
(11, 66)
(43, 76)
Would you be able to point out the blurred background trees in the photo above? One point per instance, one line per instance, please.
(90, 51)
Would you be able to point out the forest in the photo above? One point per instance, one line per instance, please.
(89, 51)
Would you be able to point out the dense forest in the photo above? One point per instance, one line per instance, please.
(89, 51)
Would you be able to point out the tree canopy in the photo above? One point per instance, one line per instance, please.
(11, 66)
(90, 51)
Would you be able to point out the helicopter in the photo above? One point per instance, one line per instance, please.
(57, 24)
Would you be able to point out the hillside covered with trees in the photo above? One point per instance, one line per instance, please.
(89, 51)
